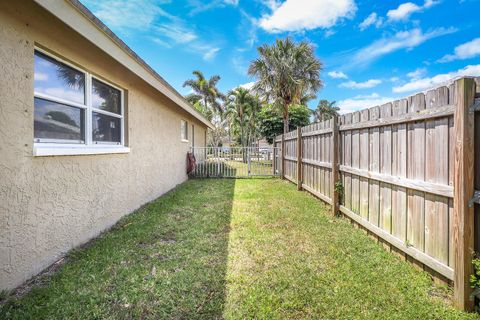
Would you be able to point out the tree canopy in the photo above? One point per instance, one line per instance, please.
(205, 91)
(271, 120)
(242, 111)
(325, 110)
(208, 100)
(286, 72)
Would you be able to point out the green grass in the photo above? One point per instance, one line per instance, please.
(233, 249)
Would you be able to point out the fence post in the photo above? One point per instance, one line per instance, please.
(335, 174)
(463, 217)
(249, 159)
(282, 159)
(299, 159)
(274, 155)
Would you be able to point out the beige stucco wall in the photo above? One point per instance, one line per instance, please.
(48, 205)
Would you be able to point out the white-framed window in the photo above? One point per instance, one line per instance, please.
(184, 130)
(75, 112)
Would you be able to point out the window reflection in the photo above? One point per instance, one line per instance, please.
(57, 121)
(105, 97)
(106, 128)
(58, 80)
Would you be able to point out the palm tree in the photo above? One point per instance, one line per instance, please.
(237, 106)
(285, 73)
(242, 112)
(205, 91)
(207, 99)
(254, 119)
(196, 102)
(325, 111)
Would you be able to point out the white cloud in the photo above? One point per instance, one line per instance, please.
(430, 3)
(417, 74)
(297, 15)
(372, 19)
(394, 79)
(362, 102)
(405, 10)
(337, 75)
(464, 51)
(401, 40)
(148, 19)
(361, 85)
(329, 33)
(367, 96)
(126, 15)
(64, 93)
(201, 5)
(39, 76)
(271, 4)
(247, 29)
(425, 83)
(210, 54)
(248, 85)
(240, 64)
(176, 32)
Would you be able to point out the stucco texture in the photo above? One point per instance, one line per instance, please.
(49, 205)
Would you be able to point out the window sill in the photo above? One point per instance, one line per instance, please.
(43, 151)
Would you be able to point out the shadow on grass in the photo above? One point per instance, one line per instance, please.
(167, 260)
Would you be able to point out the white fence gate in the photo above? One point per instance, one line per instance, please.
(235, 162)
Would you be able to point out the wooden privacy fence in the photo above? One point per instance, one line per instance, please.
(404, 171)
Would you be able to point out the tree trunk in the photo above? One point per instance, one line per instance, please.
(286, 126)
(242, 141)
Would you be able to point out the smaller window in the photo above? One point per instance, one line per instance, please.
(193, 135)
(184, 130)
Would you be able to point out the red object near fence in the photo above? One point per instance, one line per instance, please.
(191, 162)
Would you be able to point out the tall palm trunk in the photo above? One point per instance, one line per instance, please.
(286, 126)
(243, 142)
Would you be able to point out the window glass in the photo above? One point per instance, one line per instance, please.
(193, 135)
(106, 128)
(105, 97)
(184, 130)
(58, 80)
(58, 121)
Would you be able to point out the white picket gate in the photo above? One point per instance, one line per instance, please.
(235, 162)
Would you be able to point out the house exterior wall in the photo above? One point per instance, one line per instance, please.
(49, 205)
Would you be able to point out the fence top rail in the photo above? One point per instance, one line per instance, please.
(317, 132)
(317, 126)
(432, 113)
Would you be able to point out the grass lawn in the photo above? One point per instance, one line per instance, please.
(233, 249)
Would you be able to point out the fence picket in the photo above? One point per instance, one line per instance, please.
(416, 170)
(374, 156)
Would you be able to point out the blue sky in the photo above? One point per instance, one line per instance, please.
(372, 51)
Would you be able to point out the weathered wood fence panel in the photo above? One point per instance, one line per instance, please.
(316, 158)
(397, 166)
